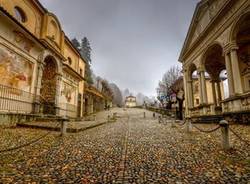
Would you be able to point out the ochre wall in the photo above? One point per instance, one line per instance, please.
(44, 25)
(33, 14)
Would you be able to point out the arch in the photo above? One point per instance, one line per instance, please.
(236, 26)
(49, 85)
(213, 60)
(53, 29)
(190, 70)
(208, 48)
(241, 38)
(48, 54)
(54, 17)
(20, 14)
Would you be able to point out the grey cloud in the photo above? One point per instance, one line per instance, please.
(134, 41)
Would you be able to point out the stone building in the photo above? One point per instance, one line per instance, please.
(218, 40)
(41, 72)
(130, 101)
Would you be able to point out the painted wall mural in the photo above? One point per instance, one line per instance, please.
(68, 92)
(15, 71)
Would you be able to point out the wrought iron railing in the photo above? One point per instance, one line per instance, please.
(15, 100)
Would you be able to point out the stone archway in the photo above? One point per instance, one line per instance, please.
(49, 86)
(242, 39)
(214, 63)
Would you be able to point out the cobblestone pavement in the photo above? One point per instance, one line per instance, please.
(131, 150)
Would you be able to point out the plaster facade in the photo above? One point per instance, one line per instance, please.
(41, 71)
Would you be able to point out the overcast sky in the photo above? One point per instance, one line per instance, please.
(134, 41)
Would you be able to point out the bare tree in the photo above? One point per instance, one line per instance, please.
(164, 89)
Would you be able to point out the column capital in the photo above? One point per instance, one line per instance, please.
(200, 69)
(230, 47)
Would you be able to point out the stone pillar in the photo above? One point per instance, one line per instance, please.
(58, 89)
(229, 75)
(203, 87)
(190, 94)
(38, 85)
(214, 92)
(218, 91)
(185, 79)
(200, 87)
(236, 71)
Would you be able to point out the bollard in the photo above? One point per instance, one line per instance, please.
(63, 127)
(225, 134)
(144, 114)
(188, 126)
(159, 119)
(172, 124)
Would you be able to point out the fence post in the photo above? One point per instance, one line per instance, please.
(225, 134)
(63, 127)
(144, 114)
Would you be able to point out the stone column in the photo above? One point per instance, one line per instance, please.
(190, 93)
(203, 87)
(185, 79)
(218, 91)
(58, 89)
(236, 71)
(214, 92)
(229, 75)
(200, 87)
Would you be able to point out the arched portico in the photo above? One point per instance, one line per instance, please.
(49, 86)
(240, 53)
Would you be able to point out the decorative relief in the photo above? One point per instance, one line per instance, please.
(23, 42)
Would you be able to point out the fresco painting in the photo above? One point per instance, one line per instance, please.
(15, 71)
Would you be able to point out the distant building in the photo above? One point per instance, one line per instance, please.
(130, 101)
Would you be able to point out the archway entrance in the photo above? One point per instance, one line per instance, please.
(214, 62)
(48, 87)
(242, 38)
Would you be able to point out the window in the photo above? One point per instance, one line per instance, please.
(197, 101)
(80, 71)
(20, 15)
(70, 60)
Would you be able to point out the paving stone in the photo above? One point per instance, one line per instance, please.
(132, 150)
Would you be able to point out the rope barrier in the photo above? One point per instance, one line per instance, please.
(239, 137)
(207, 131)
(27, 144)
(182, 123)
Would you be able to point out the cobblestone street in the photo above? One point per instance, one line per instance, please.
(131, 150)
